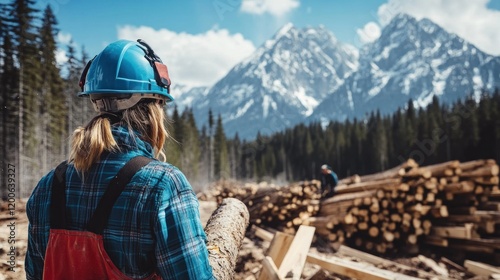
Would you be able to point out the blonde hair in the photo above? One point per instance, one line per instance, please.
(89, 142)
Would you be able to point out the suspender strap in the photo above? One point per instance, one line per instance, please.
(58, 211)
(58, 198)
(116, 186)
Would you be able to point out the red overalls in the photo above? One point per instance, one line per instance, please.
(81, 255)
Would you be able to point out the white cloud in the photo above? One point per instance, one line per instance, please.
(369, 33)
(274, 7)
(193, 60)
(61, 57)
(471, 20)
(63, 38)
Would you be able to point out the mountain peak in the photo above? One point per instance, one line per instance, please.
(281, 82)
(284, 30)
(402, 18)
(407, 22)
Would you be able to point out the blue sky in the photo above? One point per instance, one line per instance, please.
(94, 22)
(200, 40)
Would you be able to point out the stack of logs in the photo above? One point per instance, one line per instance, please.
(452, 205)
(283, 208)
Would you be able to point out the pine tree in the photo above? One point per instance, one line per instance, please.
(486, 123)
(203, 169)
(71, 88)
(21, 20)
(221, 163)
(235, 157)
(53, 107)
(190, 144)
(210, 146)
(308, 151)
(9, 96)
(173, 145)
(88, 111)
(470, 128)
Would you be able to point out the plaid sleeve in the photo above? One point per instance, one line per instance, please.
(36, 210)
(181, 251)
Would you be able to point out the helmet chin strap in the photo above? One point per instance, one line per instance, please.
(114, 104)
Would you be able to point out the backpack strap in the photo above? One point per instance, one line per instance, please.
(58, 198)
(100, 217)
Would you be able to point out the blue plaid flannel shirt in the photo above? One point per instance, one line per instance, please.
(154, 225)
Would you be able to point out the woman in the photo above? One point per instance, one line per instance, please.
(152, 228)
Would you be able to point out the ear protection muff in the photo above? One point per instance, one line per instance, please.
(83, 77)
(160, 69)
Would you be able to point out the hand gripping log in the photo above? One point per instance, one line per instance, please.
(225, 231)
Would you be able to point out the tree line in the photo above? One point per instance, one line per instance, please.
(39, 106)
(466, 130)
(40, 110)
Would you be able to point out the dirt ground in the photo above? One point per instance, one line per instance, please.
(13, 240)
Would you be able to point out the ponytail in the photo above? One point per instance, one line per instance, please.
(89, 142)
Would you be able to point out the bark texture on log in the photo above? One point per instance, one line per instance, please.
(225, 231)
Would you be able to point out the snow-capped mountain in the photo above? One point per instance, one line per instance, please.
(185, 96)
(411, 59)
(306, 74)
(281, 83)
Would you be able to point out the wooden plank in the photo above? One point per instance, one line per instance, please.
(277, 250)
(394, 172)
(488, 170)
(355, 269)
(378, 260)
(490, 215)
(348, 196)
(436, 241)
(452, 264)
(490, 243)
(490, 206)
(466, 166)
(433, 265)
(295, 258)
(361, 255)
(270, 269)
(462, 232)
(481, 269)
(371, 185)
(263, 234)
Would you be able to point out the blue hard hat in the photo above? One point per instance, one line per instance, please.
(126, 68)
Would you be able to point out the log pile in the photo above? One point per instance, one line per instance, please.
(451, 205)
(473, 223)
(283, 208)
(380, 212)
